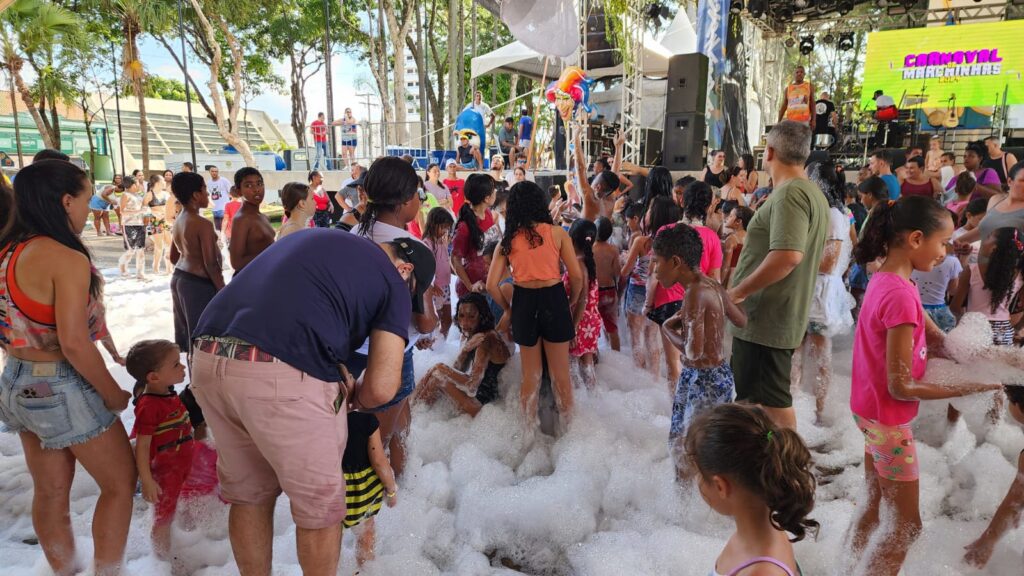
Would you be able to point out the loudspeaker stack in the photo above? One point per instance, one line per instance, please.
(686, 100)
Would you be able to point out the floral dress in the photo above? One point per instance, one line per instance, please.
(589, 329)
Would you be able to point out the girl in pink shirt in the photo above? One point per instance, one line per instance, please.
(437, 233)
(890, 354)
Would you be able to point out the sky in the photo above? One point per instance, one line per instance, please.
(347, 72)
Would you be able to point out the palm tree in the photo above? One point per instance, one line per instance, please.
(26, 28)
(138, 17)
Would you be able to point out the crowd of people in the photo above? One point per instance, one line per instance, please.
(301, 368)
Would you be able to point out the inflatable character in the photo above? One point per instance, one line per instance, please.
(572, 86)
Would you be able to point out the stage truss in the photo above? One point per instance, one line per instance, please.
(632, 80)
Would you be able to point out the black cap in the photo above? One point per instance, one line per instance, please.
(422, 260)
(358, 181)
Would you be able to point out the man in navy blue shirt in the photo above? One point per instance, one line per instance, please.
(269, 372)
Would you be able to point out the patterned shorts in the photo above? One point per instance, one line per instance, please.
(892, 448)
(1002, 332)
(697, 390)
(942, 317)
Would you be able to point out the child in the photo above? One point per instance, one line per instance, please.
(475, 225)
(1008, 514)
(505, 285)
(608, 270)
(737, 222)
(230, 209)
(973, 214)
(321, 201)
(989, 288)
(964, 187)
(758, 474)
(937, 287)
(889, 358)
(583, 348)
(633, 215)
(473, 379)
(368, 480)
(697, 330)
(251, 231)
(299, 206)
(164, 442)
(436, 235)
(539, 313)
(454, 184)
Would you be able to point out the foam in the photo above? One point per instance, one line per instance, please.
(599, 500)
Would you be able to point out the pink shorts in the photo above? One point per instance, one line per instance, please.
(891, 448)
(275, 430)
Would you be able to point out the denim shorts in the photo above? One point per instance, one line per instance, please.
(636, 297)
(357, 364)
(70, 413)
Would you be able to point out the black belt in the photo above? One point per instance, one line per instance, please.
(175, 444)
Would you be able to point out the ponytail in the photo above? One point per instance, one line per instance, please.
(468, 217)
(741, 442)
(583, 232)
(889, 219)
(478, 188)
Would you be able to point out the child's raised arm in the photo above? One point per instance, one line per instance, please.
(382, 467)
(1007, 515)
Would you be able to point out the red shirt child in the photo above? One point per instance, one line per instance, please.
(230, 209)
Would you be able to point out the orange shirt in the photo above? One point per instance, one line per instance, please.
(798, 102)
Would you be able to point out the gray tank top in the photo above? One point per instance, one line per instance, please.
(995, 220)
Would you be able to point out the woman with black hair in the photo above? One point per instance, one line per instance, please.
(749, 167)
(473, 229)
(732, 189)
(393, 200)
(56, 391)
(989, 184)
(322, 213)
(535, 249)
(715, 171)
(472, 380)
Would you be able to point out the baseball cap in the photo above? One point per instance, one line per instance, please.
(358, 181)
(449, 162)
(423, 263)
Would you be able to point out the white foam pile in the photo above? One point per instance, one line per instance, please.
(478, 500)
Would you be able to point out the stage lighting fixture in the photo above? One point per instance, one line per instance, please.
(845, 7)
(784, 13)
(806, 45)
(736, 6)
(790, 42)
(756, 8)
(882, 3)
(845, 41)
(826, 6)
(829, 38)
(908, 4)
(801, 4)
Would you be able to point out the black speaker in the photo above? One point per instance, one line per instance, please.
(600, 53)
(683, 142)
(687, 84)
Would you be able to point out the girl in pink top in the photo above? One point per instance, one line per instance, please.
(437, 233)
(890, 354)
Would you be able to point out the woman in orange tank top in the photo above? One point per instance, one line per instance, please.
(540, 311)
(56, 391)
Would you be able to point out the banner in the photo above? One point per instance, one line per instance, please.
(720, 38)
(946, 66)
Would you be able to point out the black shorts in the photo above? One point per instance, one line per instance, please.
(762, 374)
(662, 313)
(134, 237)
(541, 313)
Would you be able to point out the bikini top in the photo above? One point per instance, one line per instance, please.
(158, 201)
(758, 560)
(25, 323)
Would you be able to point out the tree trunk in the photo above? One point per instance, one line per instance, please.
(298, 101)
(398, 31)
(17, 125)
(87, 119)
(134, 73)
(30, 103)
(379, 69)
(513, 94)
(227, 120)
(453, 60)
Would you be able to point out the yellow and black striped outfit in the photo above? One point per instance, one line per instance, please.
(364, 491)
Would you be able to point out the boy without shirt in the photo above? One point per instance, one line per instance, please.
(697, 330)
(197, 271)
(251, 232)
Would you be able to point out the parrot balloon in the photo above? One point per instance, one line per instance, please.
(572, 86)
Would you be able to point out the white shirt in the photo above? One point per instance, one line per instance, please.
(482, 108)
(220, 191)
(932, 285)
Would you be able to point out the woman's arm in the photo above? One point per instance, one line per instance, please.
(963, 284)
(497, 273)
(70, 301)
(108, 344)
(572, 265)
(830, 256)
(581, 305)
(899, 351)
(382, 467)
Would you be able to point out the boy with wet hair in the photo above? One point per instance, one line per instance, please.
(251, 232)
(697, 330)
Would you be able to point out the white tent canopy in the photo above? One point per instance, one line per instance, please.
(516, 58)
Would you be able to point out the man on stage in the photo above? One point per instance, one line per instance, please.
(796, 100)
(887, 134)
(825, 116)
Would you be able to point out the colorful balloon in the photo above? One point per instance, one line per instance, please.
(573, 84)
